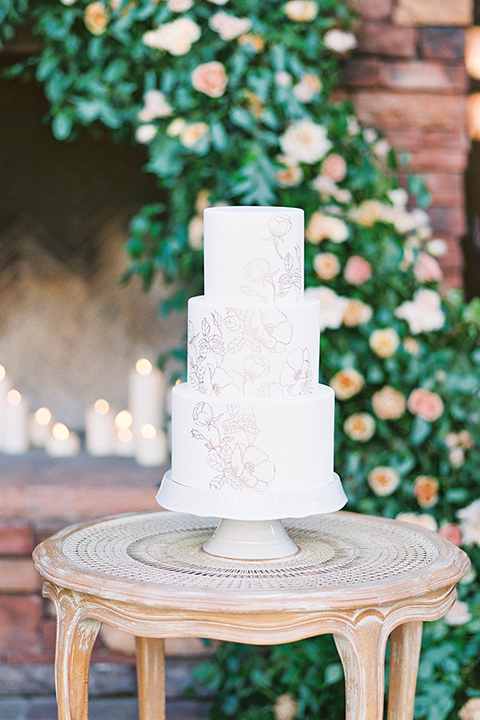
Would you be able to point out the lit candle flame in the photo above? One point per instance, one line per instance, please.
(148, 431)
(101, 407)
(14, 397)
(123, 419)
(43, 416)
(60, 431)
(143, 366)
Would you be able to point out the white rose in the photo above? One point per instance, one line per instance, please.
(305, 141)
(470, 523)
(176, 37)
(179, 5)
(339, 41)
(459, 614)
(423, 313)
(332, 306)
(145, 133)
(156, 106)
(228, 26)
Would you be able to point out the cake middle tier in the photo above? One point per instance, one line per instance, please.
(254, 352)
(252, 447)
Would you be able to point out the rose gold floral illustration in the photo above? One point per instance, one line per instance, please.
(266, 283)
(232, 356)
(232, 450)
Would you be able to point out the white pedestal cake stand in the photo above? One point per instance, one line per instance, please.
(249, 529)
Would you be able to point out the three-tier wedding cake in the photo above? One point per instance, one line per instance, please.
(252, 429)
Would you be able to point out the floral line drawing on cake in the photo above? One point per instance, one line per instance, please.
(241, 465)
(254, 337)
(259, 270)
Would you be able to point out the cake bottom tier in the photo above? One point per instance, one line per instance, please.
(275, 506)
(252, 458)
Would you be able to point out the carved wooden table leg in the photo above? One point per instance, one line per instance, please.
(150, 654)
(75, 639)
(363, 660)
(405, 644)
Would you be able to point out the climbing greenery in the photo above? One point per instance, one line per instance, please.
(236, 102)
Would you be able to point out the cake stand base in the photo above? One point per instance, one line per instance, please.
(250, 540)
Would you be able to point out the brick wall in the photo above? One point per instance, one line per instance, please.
(408, 79)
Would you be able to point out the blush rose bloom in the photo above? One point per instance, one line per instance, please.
(356, 313)
(385, 342)
(340, 41)
(427, 405)
(285, 708)
(470, 523)
(96, 18)
(459, 614)
(357, 270)
(326, 265)
(427, 269)
(334, 167)
(347, 383)
(388, 403)
(425, 489)
(333, 306)
(424, 520)
(210, 79)
(452, 532)
(383, 480)
(360, 427)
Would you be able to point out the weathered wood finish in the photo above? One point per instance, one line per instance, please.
(361, 619)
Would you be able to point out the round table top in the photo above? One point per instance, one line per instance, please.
(344, 560)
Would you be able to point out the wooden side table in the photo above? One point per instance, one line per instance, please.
(361, 578)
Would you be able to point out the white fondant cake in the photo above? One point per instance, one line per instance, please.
(252, 430)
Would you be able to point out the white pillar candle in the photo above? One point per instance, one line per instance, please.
(62, 442)
(40, 427)
(100, 429)
(151, 447)
(146, 389)
(15, 424)
(5, 386)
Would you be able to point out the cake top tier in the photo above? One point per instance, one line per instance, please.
(253, 255)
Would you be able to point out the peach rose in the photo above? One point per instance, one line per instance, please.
(291, 175)
(301, 10)
(256, 42)
(305, 141)
(326, 265)
(383, 480)
(96, 18)
(388, 403)
(347, 383)
(356, 313)
(368, 213)
(385, 342)
(452, 532)
(425, 404)
(425, 489)
(334, 167)
(309, 86)
(203, 200)
(465, 439)
(195, 232)
(360, 427)
(210, 79)
(357, 270)
(412, 346)
(192, 133)
(427, 269)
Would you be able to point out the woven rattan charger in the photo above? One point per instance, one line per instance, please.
(361, 578)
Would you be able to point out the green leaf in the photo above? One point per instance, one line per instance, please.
(62, 126)
(421, 429)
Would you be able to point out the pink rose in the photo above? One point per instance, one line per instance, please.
(452, 532)
(425, 404)
(334, 167)
(425, 489)
(210, 78)
(357, 270)
(427, 269)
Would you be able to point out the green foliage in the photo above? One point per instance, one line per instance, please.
(261, 126)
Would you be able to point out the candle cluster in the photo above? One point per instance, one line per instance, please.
(135, 432)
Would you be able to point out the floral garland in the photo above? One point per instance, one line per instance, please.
(234, 103)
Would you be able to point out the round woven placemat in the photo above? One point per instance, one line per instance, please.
(166, 549)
